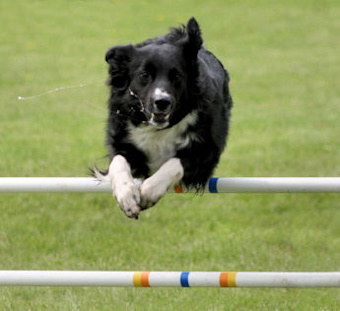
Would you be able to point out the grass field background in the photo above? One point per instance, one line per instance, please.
(283, 58)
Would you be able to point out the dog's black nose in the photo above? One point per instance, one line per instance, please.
(162, 104)
(161, 100)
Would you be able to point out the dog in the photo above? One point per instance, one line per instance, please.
(169, 112)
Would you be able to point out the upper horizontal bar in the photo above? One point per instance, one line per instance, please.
(215, 185)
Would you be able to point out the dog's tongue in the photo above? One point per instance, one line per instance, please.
(160, 117)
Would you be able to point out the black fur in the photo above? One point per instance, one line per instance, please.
(196, 81)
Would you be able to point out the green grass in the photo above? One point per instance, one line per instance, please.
(283, 57)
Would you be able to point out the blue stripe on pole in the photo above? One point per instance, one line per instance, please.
(213, 185)
(185, 279)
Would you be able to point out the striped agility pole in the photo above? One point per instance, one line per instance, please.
(169, 279)
(215, 185)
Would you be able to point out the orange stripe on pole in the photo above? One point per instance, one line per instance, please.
(145, 279)
(141, 279)
(227, 279)
(178, 189)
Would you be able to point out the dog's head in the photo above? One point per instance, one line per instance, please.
(156, 73)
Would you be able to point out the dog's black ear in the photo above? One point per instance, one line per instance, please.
(121, 53)
(194, 41)
(119, 57)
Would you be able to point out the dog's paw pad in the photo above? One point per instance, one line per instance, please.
(147, 204)
(128, 199)
(132, 212)
(150, 194)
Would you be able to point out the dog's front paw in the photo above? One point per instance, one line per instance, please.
(128, 199)
(151, 193)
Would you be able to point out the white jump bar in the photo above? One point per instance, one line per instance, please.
(169, 279)
(215, 185)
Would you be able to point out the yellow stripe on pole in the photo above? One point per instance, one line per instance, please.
(141, 279)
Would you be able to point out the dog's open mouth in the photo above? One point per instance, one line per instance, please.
(159, 118)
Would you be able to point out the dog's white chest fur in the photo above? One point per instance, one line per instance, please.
(161, 145)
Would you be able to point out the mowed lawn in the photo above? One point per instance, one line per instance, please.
(283, 58)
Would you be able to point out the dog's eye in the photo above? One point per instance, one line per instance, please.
(177, 77)
(144, 76)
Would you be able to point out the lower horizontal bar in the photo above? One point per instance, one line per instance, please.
(215, 185)
(169, 279)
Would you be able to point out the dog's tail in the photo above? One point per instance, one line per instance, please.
(102, 176)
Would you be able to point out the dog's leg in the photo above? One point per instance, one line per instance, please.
(154, 188)
(123, 186)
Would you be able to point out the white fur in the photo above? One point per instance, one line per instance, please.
(131, 196)
(160, 148)
(161, 145)
(154, 188)
(124, 190)
(159, 93)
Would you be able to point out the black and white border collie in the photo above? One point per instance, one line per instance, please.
(169, 111)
